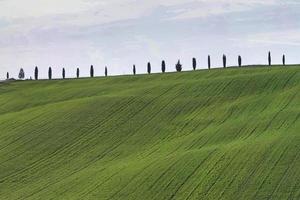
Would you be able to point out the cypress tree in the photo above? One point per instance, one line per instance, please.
(178, 66)
(92, 71)
(50, 73)
(36, 73)
(163, 66)
(149, 68)
(63, 73)
(240, 61)
(105, 72)
(7, 75)
(208, 61)
(77, 73)
(224, 61)
(269, 58)
(134, 70)
(21, 74)
(283, 59)
(194, 63)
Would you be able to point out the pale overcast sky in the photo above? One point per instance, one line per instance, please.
(119, 33)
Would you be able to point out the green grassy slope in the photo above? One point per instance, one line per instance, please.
(219, 134)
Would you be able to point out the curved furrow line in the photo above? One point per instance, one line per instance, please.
(64, 148)
(289, 79)
(224, 169)
(221, 123)
(290, 165)
(163, 174)
(191, 174)
(170, 178)
(241, 166)
(245, 183)
(132, 179)
(278, 112)
(204, 177)
(47, 186)
(89, 192)
(99, 158)
(165, 107)
(19, 126)
(270, 171)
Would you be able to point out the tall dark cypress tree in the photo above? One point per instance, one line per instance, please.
(194, 63)
(7, 75)
(50, 73)
(269, 58)
(283, 59)
(163, 66)
(63, 73)
(224, 61)
(36, 73)
(133, 70)
(178, 66)
(105, 71)
(92, 71)
(240, 61)
(208, 62)
(77, 73)
(149, 68)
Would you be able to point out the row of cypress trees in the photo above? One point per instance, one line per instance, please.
(178, 67)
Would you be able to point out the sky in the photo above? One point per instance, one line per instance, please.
(120, 33)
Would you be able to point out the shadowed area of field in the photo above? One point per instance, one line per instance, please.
(218, 134)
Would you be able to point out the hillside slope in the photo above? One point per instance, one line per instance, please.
(219, 134)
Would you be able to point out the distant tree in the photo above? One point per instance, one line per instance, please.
(283, 59)
(163, 66)
(149, 68)
(63, 73)
(208, 61)
(134, 70)
(77, 73)
(50, 73)
(36, 73)
(7, 75)
(178, 66)
(92, 71)
(21, 74)
(194, 63)
(105, 71)
(240, 61)
(269, 58)
(224, 61)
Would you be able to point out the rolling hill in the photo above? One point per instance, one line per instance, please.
(219, 134)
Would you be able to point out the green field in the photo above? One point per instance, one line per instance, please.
(218, 134)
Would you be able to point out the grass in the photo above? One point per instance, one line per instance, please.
(218, 134)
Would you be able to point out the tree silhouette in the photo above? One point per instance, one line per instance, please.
(21, 74)
(163, 66)
(92, 71)
(105, 71)
(7, 75)
(208, 62)
(63, 73)
(133, 70)
(77, 73)
(224, 61)
(240, 61)
(178, 66)
(269, 58)
(149, 68)
(36, 73)
(50, 73)
(283, 59)
(194, 63)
